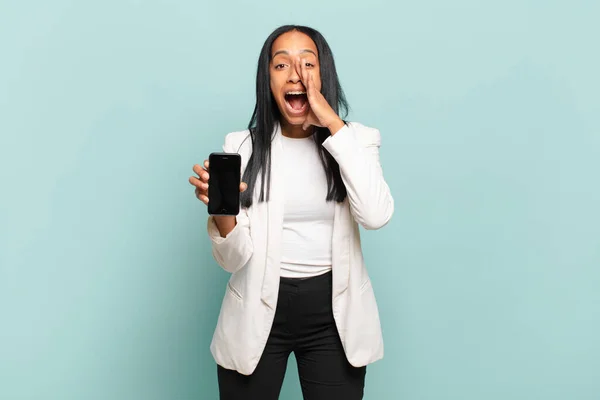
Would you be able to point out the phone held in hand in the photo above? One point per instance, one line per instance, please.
(224, 183)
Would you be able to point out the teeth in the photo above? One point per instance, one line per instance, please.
(295, 93)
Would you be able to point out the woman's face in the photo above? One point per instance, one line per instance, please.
(287, 54)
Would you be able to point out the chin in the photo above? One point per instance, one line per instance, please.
(295, 121)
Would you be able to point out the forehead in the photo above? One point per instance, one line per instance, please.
(293, 42)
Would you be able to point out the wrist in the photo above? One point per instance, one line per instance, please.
(225, 223)
(335, 126)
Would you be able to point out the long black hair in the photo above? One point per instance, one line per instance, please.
(266, 114)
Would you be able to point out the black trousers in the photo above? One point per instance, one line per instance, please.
(303, 324)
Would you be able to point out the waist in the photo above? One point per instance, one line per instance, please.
(317, 283)
(302, 271)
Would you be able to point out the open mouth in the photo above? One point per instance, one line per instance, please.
(296, 102)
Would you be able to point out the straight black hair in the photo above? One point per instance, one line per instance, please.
(266, 114)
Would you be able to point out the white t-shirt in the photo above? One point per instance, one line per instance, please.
(308, 218)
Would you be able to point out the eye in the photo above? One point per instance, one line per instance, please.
(309, 65)
(279, 66)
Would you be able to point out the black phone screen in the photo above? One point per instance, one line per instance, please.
(224, 184)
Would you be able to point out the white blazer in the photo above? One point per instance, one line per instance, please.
(251, 252)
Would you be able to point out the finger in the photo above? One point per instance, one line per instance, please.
(312, 92)
(204, 176)
(206, 164)
(243, 187)
(310, 87)
(198, 183)
(198, 169)
(200, 195)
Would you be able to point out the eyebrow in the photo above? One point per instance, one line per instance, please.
(287, 53)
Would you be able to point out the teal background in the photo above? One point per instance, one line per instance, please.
(487, 278)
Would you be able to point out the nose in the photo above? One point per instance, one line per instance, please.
(294, 75)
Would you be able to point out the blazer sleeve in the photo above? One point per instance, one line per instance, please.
(235, 250)
(356, 150)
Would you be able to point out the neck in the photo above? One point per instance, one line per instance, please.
(295, 131)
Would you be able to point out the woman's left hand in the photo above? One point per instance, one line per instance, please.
(320, 114)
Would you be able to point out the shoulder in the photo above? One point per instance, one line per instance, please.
(234, 141)
(367, 135)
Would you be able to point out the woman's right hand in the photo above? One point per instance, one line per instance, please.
(225, 223)
(201, 182)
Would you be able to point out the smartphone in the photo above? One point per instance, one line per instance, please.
(224, 183)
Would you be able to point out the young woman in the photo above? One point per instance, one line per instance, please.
(298, 281)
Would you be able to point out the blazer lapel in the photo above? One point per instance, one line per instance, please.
(275, 208)
(340, 257)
